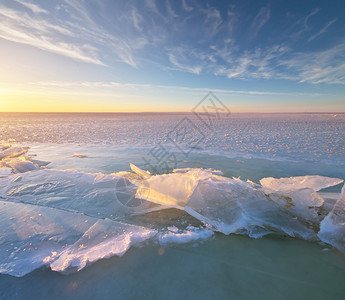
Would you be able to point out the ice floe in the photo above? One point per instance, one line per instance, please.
(66, 220)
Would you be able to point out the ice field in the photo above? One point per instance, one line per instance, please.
(80, 196)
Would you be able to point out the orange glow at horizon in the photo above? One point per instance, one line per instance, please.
(43, 103)
(24, 99)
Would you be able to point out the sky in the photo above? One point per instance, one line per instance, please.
(166, 55)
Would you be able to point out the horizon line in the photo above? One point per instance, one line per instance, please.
(163, 112)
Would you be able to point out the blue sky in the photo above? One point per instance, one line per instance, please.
(153, 55)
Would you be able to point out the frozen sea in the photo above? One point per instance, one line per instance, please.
(130, 206)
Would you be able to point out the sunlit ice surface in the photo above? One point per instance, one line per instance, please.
(306, 137)
(254, 201)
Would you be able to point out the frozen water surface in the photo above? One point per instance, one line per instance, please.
(311, 137)
(71, 202)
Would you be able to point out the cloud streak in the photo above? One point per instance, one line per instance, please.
(33, 7)
(114, 86)
(327, 66)
(322, 31)
(182, 36)
(184, 67)
(260, 20)
(22, 28)
(76, 36)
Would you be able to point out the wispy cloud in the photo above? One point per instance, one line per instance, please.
(184, 67)
(185, 36)
(258, 63)
(91, 31)
(213, 20)
(186, 7)
(77, 35)
(275, 61)
(170, 10)
(113, 86)
(304, 25)
(136, 19)
(280, 62)
(33, 7)
(327, 66)
(22, 28)
(260, 20)
(322, 31)
(151, 4)
(313, 12)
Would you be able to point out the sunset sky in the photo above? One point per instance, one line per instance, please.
(109, 56)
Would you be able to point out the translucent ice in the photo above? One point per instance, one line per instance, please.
(234, 206)
(298, 195)
(30, 233)
(191, 234)
(332, 229)
(103, 239)
(13, 161)
(173, 189)
(6, 151)
(67, 219)
(33, 236)
(97, 195)
(288, 185)
(288, 206)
